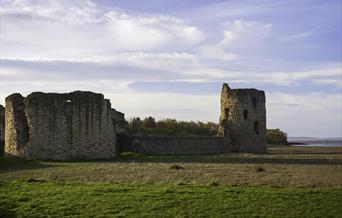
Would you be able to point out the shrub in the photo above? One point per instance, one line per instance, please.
(276, 137)
(176, 167)
(149, 122)
(260, 169)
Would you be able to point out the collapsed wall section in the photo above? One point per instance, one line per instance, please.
(51, 126)
(16, 127)
(119, 121)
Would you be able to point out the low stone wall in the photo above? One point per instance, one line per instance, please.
(175, 145)
(257, 149)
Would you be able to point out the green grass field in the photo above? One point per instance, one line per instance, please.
(286, 182)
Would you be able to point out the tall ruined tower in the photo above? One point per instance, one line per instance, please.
(243, 119)
(2, 130)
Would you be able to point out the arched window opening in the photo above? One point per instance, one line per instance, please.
(68, 107)
(226, 113)
(256, 127)
(245, 114)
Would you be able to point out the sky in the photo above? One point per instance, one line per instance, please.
(169, 58)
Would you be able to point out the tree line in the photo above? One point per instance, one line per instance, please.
(172, 127)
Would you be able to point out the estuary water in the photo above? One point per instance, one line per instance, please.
(303, 141)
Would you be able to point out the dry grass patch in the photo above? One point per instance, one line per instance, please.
(316, 169)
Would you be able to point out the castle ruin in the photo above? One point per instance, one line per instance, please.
(76, 125)
(243, 119)
(82, 125)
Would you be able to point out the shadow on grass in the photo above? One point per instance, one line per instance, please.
(220, 159)
(232, 158)
(8, 164)
(6, 209)
(19, 164)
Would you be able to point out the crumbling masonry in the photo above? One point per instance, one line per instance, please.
(82, 125)
(51, 126)
(243, 119)
(2, 130)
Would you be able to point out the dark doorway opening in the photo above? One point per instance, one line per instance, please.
(226, 113)
(255, 102)
(245, 114)
(256, 127)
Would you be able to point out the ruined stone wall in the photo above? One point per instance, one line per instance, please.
(243, 119)
(119, 121)
(2, 130)
(175, 145)
(76, 125)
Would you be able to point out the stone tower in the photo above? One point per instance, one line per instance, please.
(243, 119)
(2, 130)
(51, 126)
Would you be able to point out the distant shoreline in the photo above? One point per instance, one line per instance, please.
(314, 142)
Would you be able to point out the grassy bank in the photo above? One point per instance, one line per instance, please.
(51, 199)
(286, 182)
(282, 166)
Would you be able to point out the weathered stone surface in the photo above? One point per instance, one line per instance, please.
(76, 125)
(119, 121)
(243, 119)
(82, 125)
(2, 130)
(16, 127)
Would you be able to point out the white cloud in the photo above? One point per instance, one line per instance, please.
(237, 35)
(175, 61)
(325, 73)
(140, 66)
(215, 52)
(67, 12)
(241, 33)
(334, 82)
(36, 28)
(298, 36)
